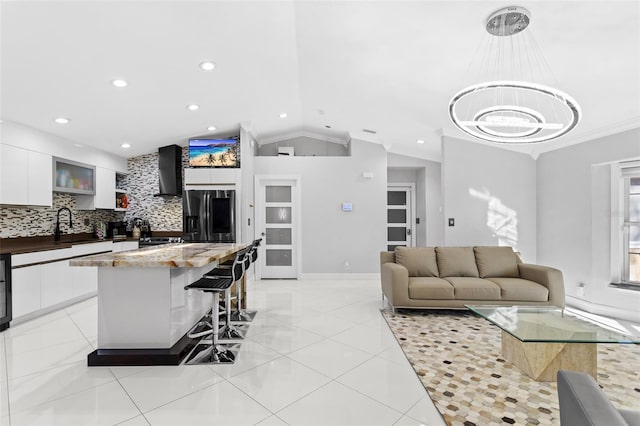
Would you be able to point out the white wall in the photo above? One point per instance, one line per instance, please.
(35, 140)
(490, 192)
(246, 215)
(431, 175)
(306, 146)
(330, 236)
(574, 218)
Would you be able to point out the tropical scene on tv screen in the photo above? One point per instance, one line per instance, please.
(213, 153)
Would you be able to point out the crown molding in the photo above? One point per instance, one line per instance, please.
(589, 135)
(367, 137)
(298, 134)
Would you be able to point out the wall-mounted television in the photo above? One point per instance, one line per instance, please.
(208, 152)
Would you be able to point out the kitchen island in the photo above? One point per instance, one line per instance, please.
(144, 313)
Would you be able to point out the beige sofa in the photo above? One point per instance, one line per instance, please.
(451, 277)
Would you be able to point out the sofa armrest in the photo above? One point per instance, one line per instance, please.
(582, 402)
(395, 282)
(548, 277)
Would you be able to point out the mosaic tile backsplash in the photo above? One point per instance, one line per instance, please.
(163, 213)
(141, 182)
(41, 221)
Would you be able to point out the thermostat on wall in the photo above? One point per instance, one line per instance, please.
(347, 207)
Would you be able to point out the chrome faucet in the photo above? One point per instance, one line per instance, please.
(56, 235)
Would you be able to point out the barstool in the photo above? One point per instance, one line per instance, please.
(240, 314)
(235, 274)
(212, 351)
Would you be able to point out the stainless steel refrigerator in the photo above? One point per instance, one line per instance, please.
(209, 216)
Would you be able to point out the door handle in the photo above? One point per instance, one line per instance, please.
(408, 231)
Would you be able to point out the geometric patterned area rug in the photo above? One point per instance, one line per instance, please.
(457, 356)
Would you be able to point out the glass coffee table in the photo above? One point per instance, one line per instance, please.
(540, 340)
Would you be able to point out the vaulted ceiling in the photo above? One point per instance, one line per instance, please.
(335, 68)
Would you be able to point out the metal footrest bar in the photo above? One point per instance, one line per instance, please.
(201, 329)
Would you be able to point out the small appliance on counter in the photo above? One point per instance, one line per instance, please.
(143, 226)
(116, 228)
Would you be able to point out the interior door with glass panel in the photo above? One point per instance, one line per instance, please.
(400, 217)
(277, 219)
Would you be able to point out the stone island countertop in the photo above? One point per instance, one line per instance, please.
(184, 255)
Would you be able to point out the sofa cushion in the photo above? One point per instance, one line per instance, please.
(429, 288)
(496, 262)
(521, 290)
(419, 261)
(456, 262)
(470, 288)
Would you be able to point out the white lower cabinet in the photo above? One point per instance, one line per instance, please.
(52, 283)
(56, 284)
(84, 279)
(25, 290)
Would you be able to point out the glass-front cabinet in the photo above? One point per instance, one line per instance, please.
(73, 177)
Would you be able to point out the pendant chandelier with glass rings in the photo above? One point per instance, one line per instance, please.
(512, 104)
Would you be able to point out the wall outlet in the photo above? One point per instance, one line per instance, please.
(346, 265)
(580, 291)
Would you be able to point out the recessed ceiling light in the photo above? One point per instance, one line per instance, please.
(211, 128)
(62, 120)
(78, 145)
(119, 83)
(126, 145)
(283, 115)
(420, 141)
(193, 107)
(207, 65)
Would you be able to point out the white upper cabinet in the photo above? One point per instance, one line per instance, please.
(211, 176)
(40, 179)
(25, 177)
(13, 175)
(104, 197)
(105, 188)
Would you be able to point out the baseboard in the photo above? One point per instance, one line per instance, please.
(40, 312)
(343, 276)
(604, 310)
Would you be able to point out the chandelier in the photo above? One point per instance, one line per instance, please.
(513, 105)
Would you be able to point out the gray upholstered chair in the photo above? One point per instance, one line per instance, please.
(583, 403)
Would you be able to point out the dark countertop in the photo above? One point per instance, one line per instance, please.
(33, 244)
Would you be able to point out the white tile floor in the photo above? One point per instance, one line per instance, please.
(318, 353)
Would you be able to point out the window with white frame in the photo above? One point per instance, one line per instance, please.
(631, 227)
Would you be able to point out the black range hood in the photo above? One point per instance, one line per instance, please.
(170, 171)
